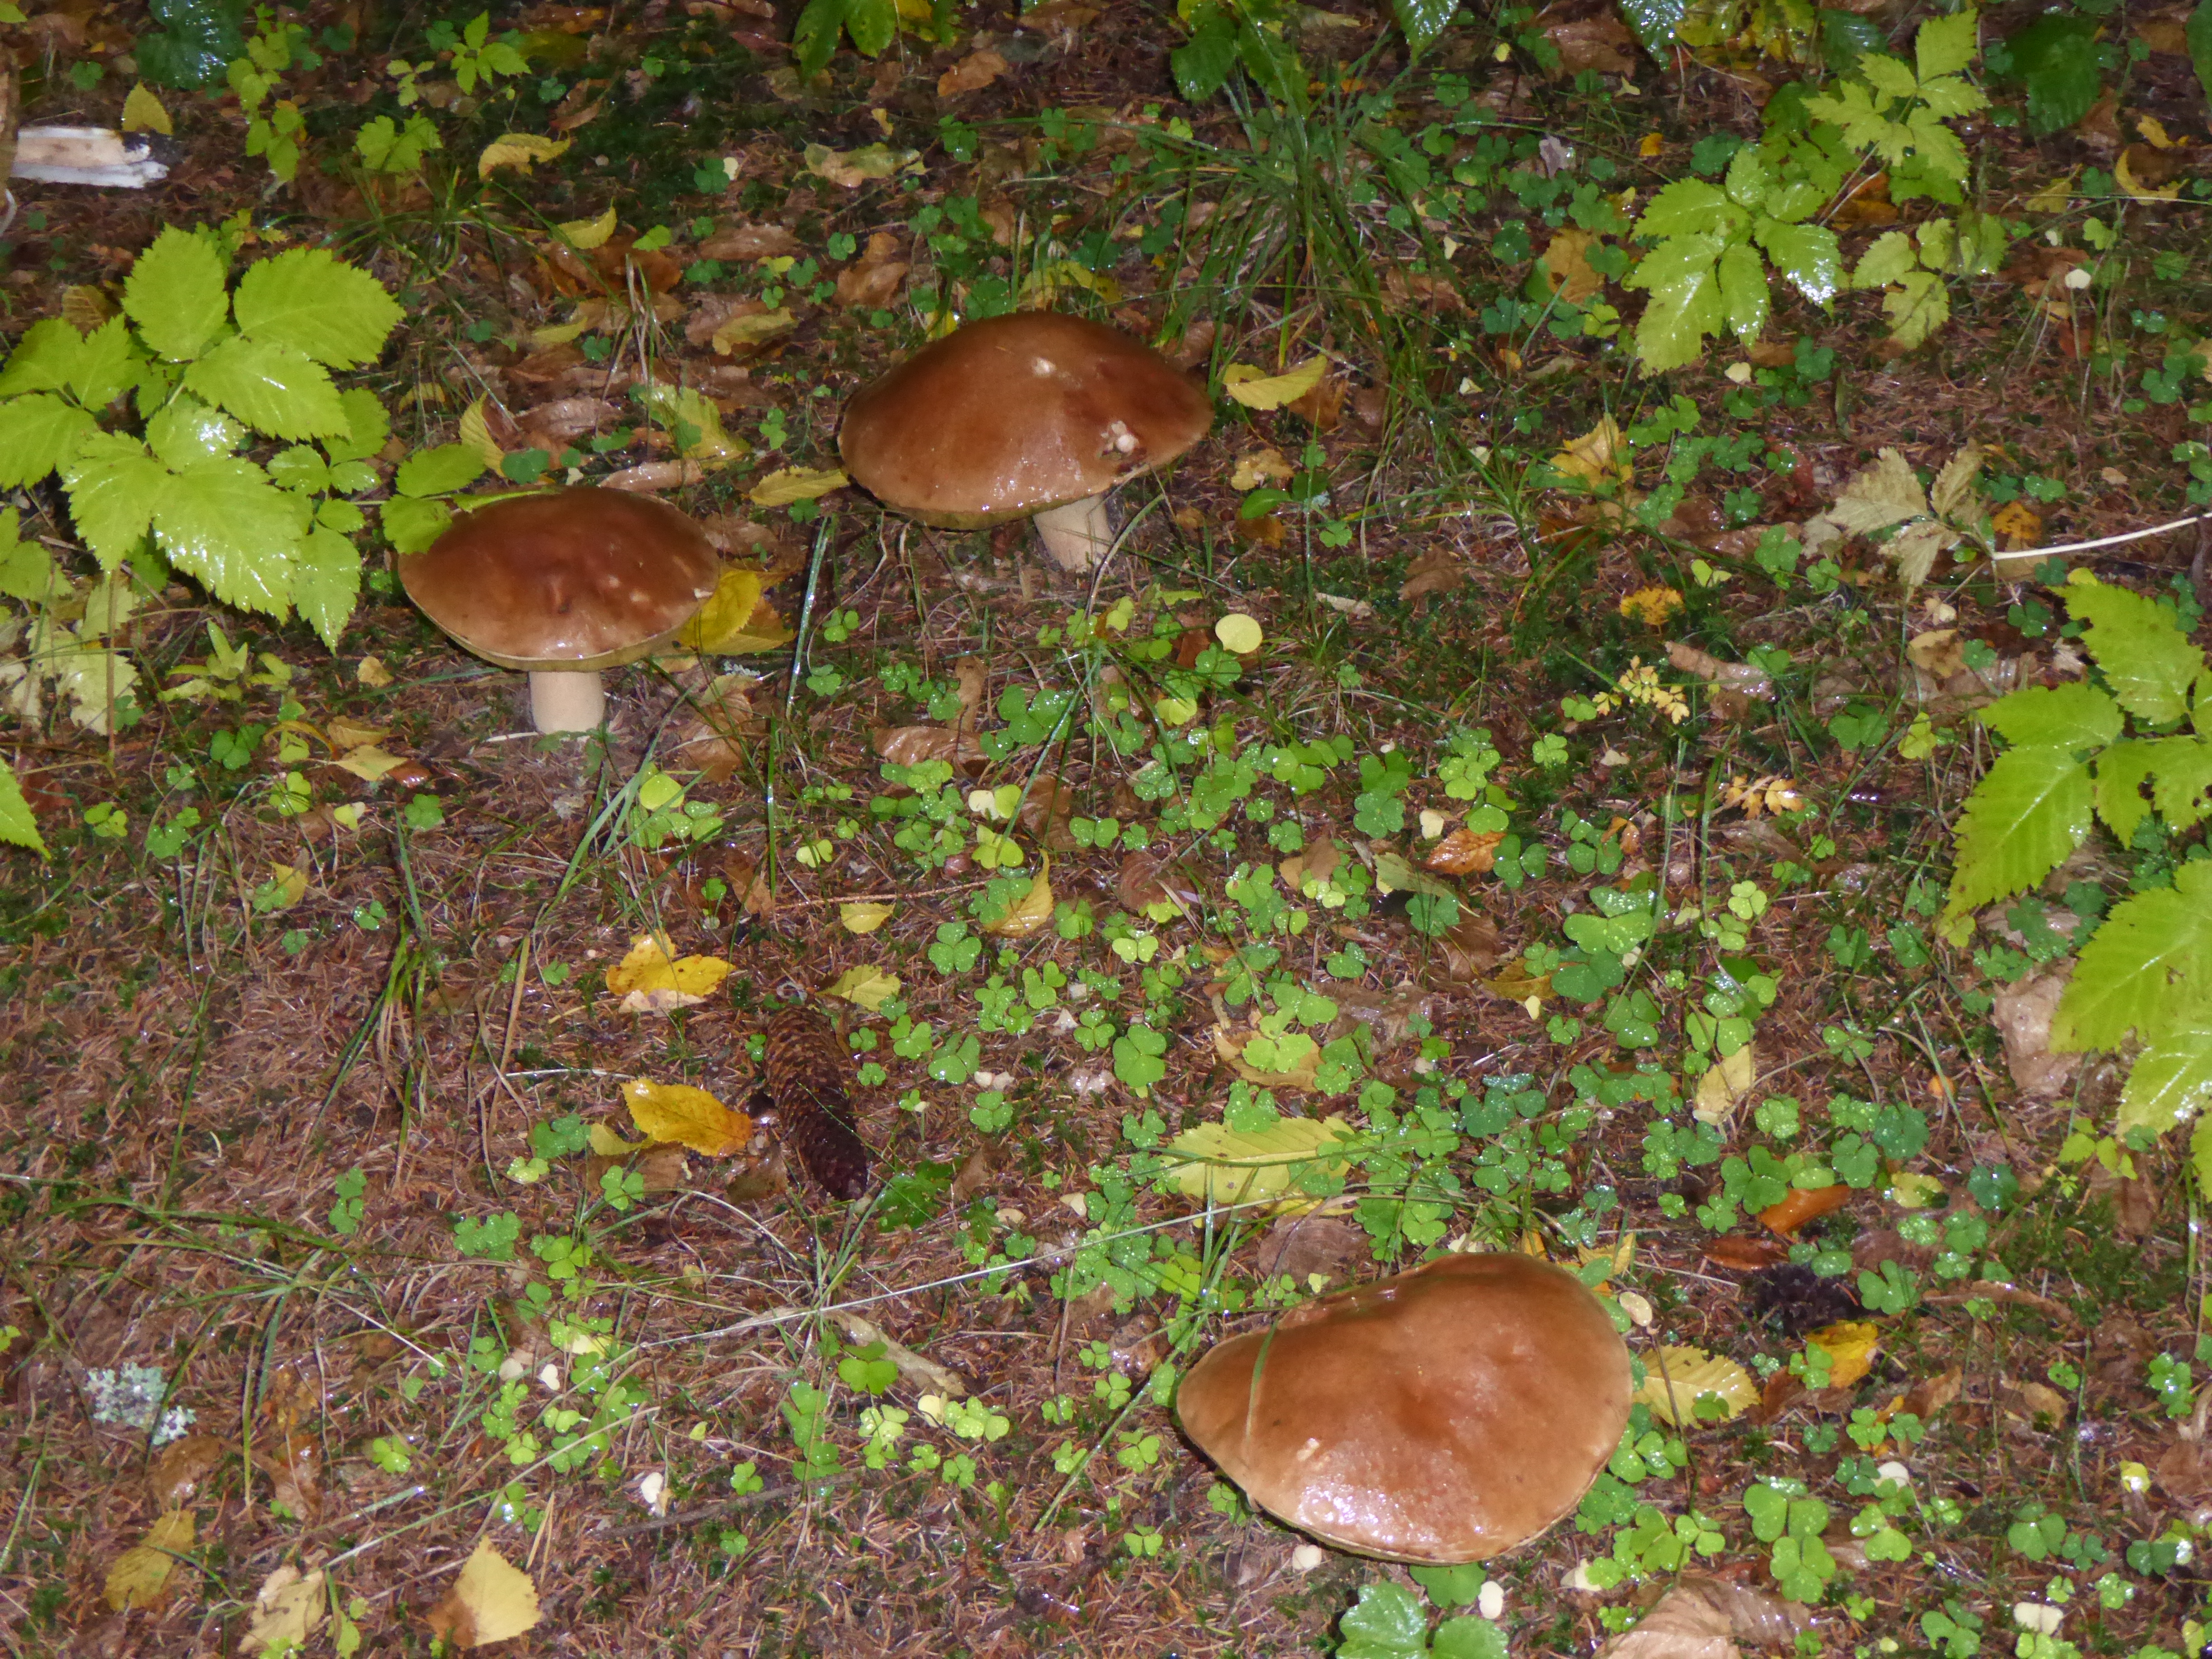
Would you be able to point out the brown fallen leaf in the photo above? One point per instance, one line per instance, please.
(910, 746)
(1601, 42)
(1704, 1617)
(1154, 883)
(1471, 947)
(652, 478)
(2022, 1015)
(1322, 408)
(1464, 852)
(491, 1600)
(1802, 1205)
(1744, 1254)
(1315, 1243)
(1566, 263)
(741, 242)
(971, 74)
(872, 282)
(177, 1473)
(1439, 570)
(1931, 1395)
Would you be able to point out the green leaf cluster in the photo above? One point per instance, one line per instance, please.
(1896, 111)
(2138, 745)
(1228, 35)
(1389, 1622)
(871, 25)
(209, 371)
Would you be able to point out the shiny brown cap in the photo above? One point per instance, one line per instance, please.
(1440, 1416)
(1010, 415)
(580, 579)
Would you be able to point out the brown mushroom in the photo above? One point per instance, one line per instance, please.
(1033, 416)
(562, 585)
(1440, 1416)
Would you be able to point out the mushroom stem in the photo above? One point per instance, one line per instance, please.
(567, 700)
(1076, 536)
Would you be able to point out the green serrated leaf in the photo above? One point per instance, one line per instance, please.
(2122, 771)
(301, 468)
(1916, 308)
(1807, 255)
(1885, 260)
(39, 434)
(1890, 78)
(2148, 662)
(27, 569)
(1654, 22)
(109, 366)
(2185, 777)
(1743, 289)
(47, 359)
(368, 426)
(184, 430)
(2029, 811)
(1679, 317)
(2073, 715)
(1201, 65)
(1946, 45)
(1882, 495)
(411, 526)
(175, 295)
(1749, 178)
(2147, 969)
(273, 388)
(18, 827)
(1951, 97)
(317, 304)
(438, 472)
(1468, 1639)
(224, 523)
(1389, 1623)
(1421, 20)
(2056, 56)
(113, 487)
(1688, 207)
(2170, 1081)
(326, 583)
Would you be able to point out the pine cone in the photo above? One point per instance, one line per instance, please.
(806, 1081)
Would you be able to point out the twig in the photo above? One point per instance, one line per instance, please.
(727, 1506)
(2102, 541)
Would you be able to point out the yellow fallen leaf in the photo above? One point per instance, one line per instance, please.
(864, 987)
(1850, 1346)
(1045, 281)
(346, 734)
(490, 1601)
(1223, 1165)
(1256, 390)
(1265, 466)
(695, 422)
(795, 483)
(288, 886)
(2054, 196)
(369, 763)
(1031, 913)
(2150, 127)
(143, 112)
(752, 329)
(2124, 176)
(1675, 1379)
(1650, 144)
(286, 1609)
(689, 1117)
(1909, 1190)
(476, 433)
(606, 1143)
(588, 234)
(1599, 456)
(555, 334)
(1240, 633)
(371, 673)
(851, 169)
(1301, 1072)
(140, 1577)
(862, 917)
(649, 982)
(520, 150)
(1651, 606)
(1724, 1085)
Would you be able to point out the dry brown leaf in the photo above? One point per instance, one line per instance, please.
(1153, 883)
(1315, 1243)
(1802, 1205)
(1601, 42)
(1926, 1398)
(1027, 917)
(1229, 1049)
(872, 282)
(1566, 262)
(287, 1609)
(1322, 408)
(1464, 852)
(745, 242)
(1471, 947)
(971, 74)
(1439, 570)
(915, 1367)
(1742, 677)
(1743, 1254)
(177, 1473)
(2022, 1016)
(652, 478)
(910, 746)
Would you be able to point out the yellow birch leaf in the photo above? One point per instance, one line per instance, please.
(1599, 456)
(788, 484)
(606, 1143)
(344, 734)
(140, 1577)
(1651, 606)
(865, 988)
(650, 982)
(752, 329)
(588, 234)
(736, 593)
(2054, 196)
(286, 1609)
(689, 1117)
(1255, 389)
(369, 763)
(520, 150)
(2124, 177)
(555, 334)
(2150, 127)
(476, 433)
(1675, 1379)
(492, 1600)
(1850, 1346)
(143, 112)
(1724, 1085)
(1031, 913)
(372, 673)
(1223, 1165)
(1650, 144)
(863, 917)
(290, 887)
(1240, 633)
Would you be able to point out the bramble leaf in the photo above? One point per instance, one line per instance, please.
(1743, 290)
(2171, 1080)
(2122, 771)
(1654, 22)
(2148, 661)
(175, 294)
(326, 583)
(223, 522)
(438, 472)
(1886, 261)
(39, 435)
(184, 430)
(2147, 969)
(1916, 308)
(1944, 45)
(1808, 255)
(273, 388)
(2072, 715)
(411, 525)
(2185, 776)
(368, 426)
(17, 827)
(1685, 207)
(334, 313)
(2030, 811)
(1422, 20)
(47, 359)
(1882, 495)
(113, 485)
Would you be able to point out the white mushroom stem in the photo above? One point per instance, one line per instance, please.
(1076, 536)
(566, 700)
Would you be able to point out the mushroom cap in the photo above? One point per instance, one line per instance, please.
(1440, 1416)
(579, 579)
(1008, 416)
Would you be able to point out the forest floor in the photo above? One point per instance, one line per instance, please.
(313, 1088)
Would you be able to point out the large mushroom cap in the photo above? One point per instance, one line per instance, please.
(1010, 415)
(1440, 1416)
(580, 579)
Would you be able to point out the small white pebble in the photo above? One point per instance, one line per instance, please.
(1491, 1601)
(1307, 1557)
